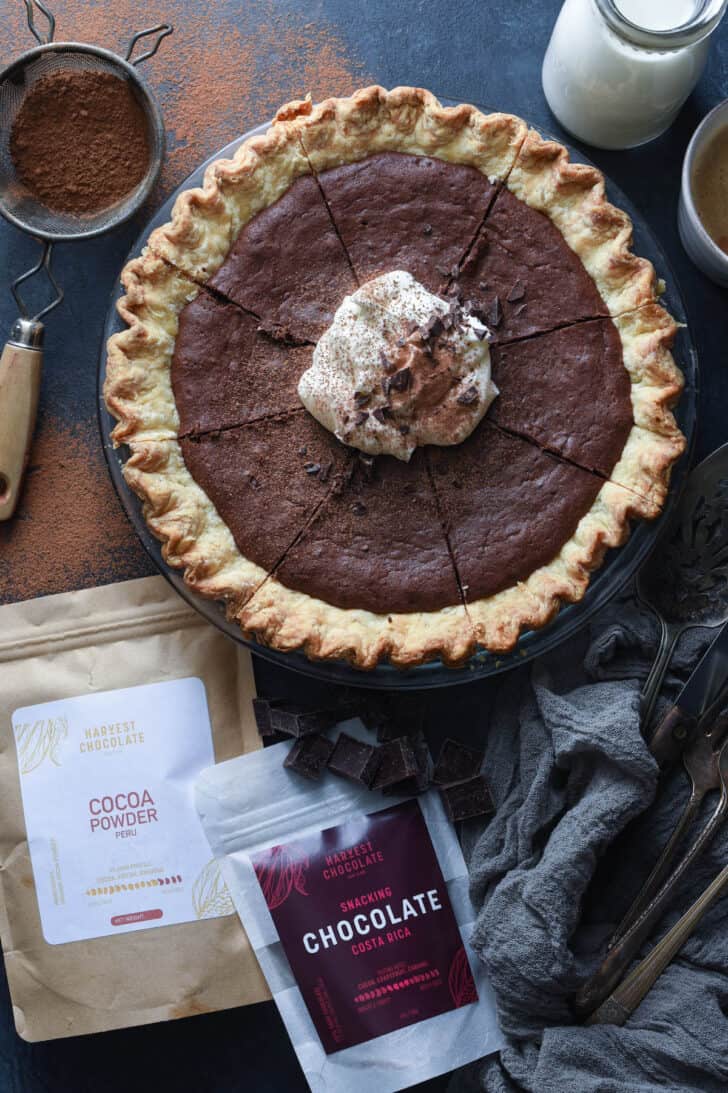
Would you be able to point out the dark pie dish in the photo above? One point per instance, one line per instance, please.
(464, 546)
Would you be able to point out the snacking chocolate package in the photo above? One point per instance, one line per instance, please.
(357, 907)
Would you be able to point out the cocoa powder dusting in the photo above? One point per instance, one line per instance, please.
(69, 530)
(226, 68)
(79, 141)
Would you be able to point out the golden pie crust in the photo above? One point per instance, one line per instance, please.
(182, 255)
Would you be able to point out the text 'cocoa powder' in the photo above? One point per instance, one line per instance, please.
(79, 141)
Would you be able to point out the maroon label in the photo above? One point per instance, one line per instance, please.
(366, 923)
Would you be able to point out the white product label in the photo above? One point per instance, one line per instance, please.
(115, 841)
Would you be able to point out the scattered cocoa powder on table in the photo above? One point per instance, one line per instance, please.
(79, 141)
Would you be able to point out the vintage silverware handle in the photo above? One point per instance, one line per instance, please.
(669, 636)
(668, 740)
(660, 870)
(628, 995)
(612, 968)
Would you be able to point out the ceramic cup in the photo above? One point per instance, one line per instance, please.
(704, 252)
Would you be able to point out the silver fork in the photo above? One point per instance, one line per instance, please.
(708, 770)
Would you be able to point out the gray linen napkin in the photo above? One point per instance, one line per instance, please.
(553, 875)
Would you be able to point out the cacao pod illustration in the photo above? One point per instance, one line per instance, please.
(280, 874)
(460, 980)
(40, 740)
(210, 895)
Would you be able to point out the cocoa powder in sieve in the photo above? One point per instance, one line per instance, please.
(79, 141)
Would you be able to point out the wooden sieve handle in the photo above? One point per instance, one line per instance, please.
(20, 370)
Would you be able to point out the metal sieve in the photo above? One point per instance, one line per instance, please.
(21, 358)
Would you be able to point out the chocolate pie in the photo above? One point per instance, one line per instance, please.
(393, 382)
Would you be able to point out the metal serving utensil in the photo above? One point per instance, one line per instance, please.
(685, 582)
(706, 761)
(625, 998)
(20, 364)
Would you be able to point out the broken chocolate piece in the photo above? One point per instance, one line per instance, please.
(354, 760)
(361, 417)
(309, 756)
(400, 381)
(397, 762)
(517, 293)
(385, 361)
(361, 398)
(456, 763)
(380, 414)
(467, 799)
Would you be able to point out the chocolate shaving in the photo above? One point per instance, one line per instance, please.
(466, 398)
(517, 293)
(519, 310)
(495, 312)
(312, 468)
(385, 361)
(400, 381)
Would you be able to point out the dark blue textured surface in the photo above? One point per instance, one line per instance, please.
(483, 52)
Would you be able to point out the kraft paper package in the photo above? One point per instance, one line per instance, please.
(358, 909)
(113, 911)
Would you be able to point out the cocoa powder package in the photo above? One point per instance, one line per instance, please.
(357, 907)
(113, 911)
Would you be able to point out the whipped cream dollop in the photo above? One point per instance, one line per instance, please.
(400, 367)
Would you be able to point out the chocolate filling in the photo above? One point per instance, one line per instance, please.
(377, 545)
(397, 211)
(508, 506)
(256, 479)
(287, 265)
(524, 275)
(226, 371)
(567, 391)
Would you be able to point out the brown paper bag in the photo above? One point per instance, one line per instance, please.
(97, 640)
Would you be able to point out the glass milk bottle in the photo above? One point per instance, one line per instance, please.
(616, 72)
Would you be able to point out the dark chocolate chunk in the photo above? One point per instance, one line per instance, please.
(397, 761)
(456, 763)
(261, 709)
(420, 781)
(467, 397)
(294, 721)
(385, 361)
(467, 799)
(312, 468)
(404, 429)
(354, 760)
(380, 414)
(359, 508)
(309, 756)
(517, 293)
(361, 417)
(361, 398)
(427, 229)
